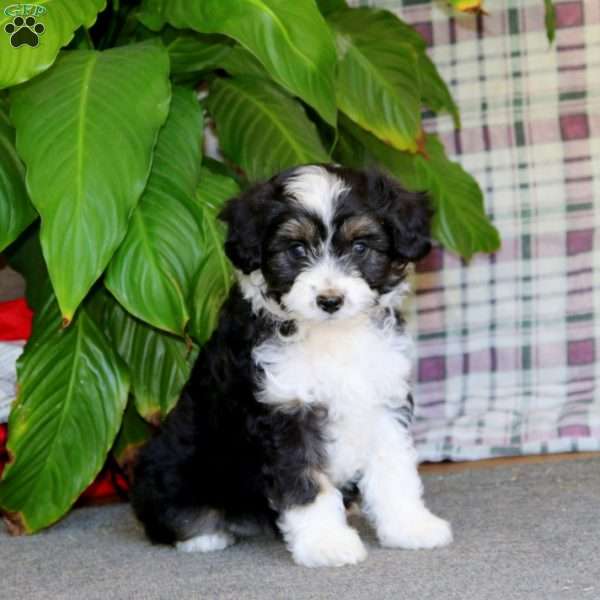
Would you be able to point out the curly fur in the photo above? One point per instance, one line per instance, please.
(300, 401)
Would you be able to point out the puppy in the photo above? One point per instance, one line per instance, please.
(300, 401)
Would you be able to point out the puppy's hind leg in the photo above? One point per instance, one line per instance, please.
(202, 530)
(169, 488)
(169, 508)
(170, 511)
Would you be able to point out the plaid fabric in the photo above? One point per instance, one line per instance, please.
(507, 345)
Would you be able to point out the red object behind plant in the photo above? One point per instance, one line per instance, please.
(15, 320)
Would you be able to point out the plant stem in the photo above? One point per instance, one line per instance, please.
(88, 37)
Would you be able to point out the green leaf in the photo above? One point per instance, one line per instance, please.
(134, 434)
(328, 6)
(241, 62)
(373, 152)
(227, 170)
(159, 363)
(434, 91)
(16, 211)
(460, 223)
(215, 275)
(72, 394)
(260, 128)
(348, 151)
(25, 256)
(393, 25)
(378, 78)
(550, 19)
(82, 40)
(59, 19)
(290, 39)
(152, 272)
(191, 52)
(85, 130)
(150, 15)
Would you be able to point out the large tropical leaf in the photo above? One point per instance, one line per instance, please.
(214, 275)
(25, 256)
(359, 148)
(34, 53)
(291, 39)
(16, 211)
(72, 394)
(226, 170)
(348, 151)
(434, 91)
(260, 128)
(191, 52)
(460, 223)
(152, 272)
(378, 83)
(134, 433)
(240, 62)
(159, 363)
(85, 130)
(328, 6)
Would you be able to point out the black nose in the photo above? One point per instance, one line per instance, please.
(330, 303)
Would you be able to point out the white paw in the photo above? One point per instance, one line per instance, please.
(208, 542)
(423, 530)
(331, 548)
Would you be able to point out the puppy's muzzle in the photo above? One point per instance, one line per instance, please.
(330, 303)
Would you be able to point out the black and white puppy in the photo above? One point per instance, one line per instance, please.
(301, 397)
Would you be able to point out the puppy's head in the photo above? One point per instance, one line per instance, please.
(325, 242)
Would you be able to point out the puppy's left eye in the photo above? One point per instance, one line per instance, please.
(297, 250)
(359, 248)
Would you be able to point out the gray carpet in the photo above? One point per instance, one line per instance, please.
(528, 531)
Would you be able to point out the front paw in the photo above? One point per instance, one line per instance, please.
(333, 548)
(421, 530)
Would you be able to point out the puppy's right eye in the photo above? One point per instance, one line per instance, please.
(297, 250)
(359, 248)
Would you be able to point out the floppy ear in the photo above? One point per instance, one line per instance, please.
(408, 214)
(247, 218)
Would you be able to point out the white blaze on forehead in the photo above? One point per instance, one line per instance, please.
(316, 189)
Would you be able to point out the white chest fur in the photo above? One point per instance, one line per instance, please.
(355, 368)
